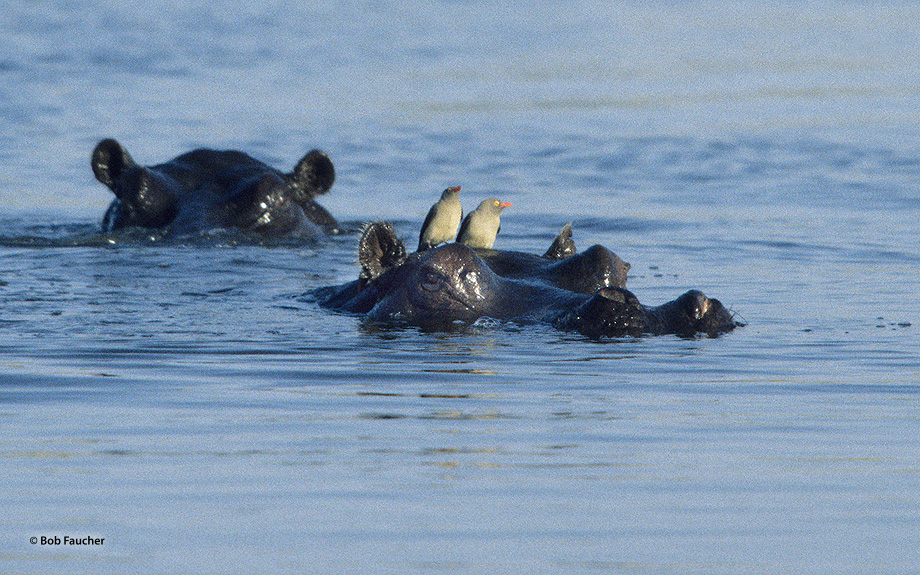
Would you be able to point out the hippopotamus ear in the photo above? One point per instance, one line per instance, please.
(379, 250)
(314, 175)
(109, 160)
(563, 246)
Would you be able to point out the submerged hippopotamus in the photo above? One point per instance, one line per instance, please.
(453, 285)
(206, 189)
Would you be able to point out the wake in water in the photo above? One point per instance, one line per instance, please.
(19, 233)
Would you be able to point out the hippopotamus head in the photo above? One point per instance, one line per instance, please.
(451, 285)
(206, 188)
(441, 288)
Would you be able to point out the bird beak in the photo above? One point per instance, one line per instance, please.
(504, 205)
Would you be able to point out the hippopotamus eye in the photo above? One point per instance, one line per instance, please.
(431, 281)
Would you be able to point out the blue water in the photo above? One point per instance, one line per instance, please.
(180, 401)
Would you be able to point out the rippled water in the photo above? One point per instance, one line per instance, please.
(182, 402)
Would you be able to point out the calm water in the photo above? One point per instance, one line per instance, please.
(183, 403)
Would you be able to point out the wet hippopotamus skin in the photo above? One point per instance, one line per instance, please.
(453, 285)
(584, 272)
(206, 189)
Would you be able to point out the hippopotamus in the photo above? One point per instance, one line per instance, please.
(205, 189)
(561, 266)
(454, 285)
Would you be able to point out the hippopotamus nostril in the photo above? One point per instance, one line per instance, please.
(695, 304)
(702, 307)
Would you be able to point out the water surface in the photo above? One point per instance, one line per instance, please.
(180, 400)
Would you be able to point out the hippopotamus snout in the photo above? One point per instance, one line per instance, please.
(692, 313)
(710, 316)
(611, 312)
